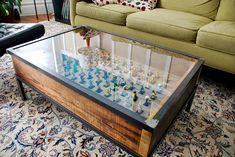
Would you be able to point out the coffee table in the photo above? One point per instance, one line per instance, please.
(127, 90)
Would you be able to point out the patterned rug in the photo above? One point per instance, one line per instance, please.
(37, 128)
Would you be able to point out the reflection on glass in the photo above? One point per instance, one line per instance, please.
(137, 77)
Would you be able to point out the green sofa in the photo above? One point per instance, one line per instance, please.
(204, 28)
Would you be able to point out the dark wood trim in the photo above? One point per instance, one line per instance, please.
(180, 103)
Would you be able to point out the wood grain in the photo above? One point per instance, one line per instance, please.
(103, 119)
(144, 143)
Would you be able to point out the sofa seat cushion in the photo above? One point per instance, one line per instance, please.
(112, 13)
(218, 35)
(168, 23)
(207, 8)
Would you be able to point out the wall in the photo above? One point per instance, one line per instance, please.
(28, 7)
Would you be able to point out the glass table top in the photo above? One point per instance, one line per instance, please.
(135, 77)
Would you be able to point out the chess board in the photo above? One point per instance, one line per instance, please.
(118, 80)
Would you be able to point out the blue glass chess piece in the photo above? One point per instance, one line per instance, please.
(131, 86)
(89, 76)
(99, 90)
(64, 57)
(76, 62)
(124, 93)
(122, 82)
(142, 91)
(73, 77)
(105, 76)
(114, 78)
(82, 81)
(107, 84)
(67, 72)
(98, 81)
(91, 86)
(97, 72)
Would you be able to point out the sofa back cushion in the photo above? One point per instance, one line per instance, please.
(206, 8)
(226, 11)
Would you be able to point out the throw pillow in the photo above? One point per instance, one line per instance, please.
(140, 4)
(104, 2)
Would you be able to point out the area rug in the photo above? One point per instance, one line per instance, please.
(35, 127)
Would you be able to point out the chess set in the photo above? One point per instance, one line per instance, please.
(117, 79)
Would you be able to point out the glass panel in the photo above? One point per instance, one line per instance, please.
(137, 77)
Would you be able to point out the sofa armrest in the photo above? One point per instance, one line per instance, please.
(73, 9)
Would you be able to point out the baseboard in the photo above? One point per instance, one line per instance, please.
(28, 7)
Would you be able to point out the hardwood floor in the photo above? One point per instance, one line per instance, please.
(33, 19)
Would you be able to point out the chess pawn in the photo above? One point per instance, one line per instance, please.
(117, 98)
(82, 79)
(99, 90)
(142, 90)
(73, 77)
(106, 76)
(98, 81)
(114, 92)
(135, 98)
(134, 72)
(153, 95)
(107, 92)
(164, 84)
(91, 85)
(139, 108)
(122, 82)
(107, 84)
(125, 87)
(67, 72)
(152, 79)
(147, 101)
(114, 79)
(76, 62)
(159, 88)
(89, 76)
(131, 86)
(128, 101)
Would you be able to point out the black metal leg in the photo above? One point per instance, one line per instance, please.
(35, 7)
(45, 2)
(190, 100)
(21, 89)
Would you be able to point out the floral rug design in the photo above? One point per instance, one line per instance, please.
(35, 127)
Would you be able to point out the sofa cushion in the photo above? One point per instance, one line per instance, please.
(226, 11)
(218, 35)
(112, 13)
(207, 8)
(168, 23)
